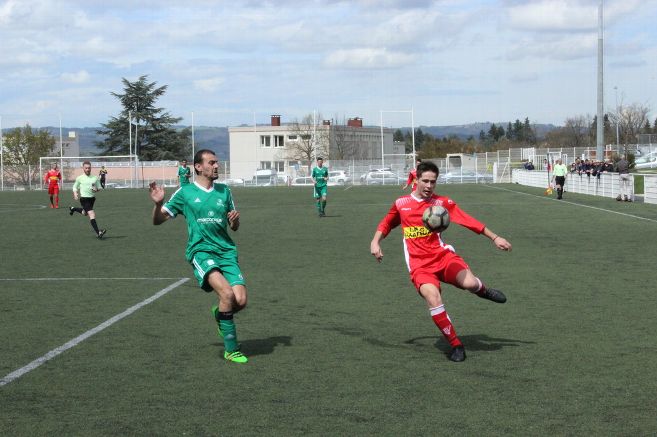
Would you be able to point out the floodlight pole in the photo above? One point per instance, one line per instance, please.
(193, 147)
(132, 179)
(61, 148)
(617, 120)
(600, 132)
(381, 127)
(413, 135)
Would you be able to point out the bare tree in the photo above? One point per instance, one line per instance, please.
(631, 120)
(574, 133)
(311, 141)
(22, 148)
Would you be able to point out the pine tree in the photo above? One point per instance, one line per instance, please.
(153, 133)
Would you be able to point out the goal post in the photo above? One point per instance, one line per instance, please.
(121, 168)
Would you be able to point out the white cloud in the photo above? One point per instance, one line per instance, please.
(553, 15)
(367, 58)
(208, 85)
(81, 76)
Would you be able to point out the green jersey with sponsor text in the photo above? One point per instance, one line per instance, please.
(206, 213)
(319, 173)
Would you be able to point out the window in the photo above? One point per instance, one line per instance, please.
(279, 141)
(292, 137)
(265, 165)
(279, 166)
(265, 141)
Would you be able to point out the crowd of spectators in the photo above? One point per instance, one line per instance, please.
(590, 167)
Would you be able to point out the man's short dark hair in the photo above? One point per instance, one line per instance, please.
(86, 162)
(426, 166)
(319, 158)
(198, 158)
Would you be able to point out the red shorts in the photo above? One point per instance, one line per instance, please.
(444, 270)
(53, 189)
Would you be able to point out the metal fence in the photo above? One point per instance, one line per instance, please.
(489, 167)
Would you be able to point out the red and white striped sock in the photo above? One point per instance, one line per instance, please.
(442, 321)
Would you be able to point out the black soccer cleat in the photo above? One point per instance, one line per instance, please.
(457, 354)
(71, 210)
(101, 233)
(492, 294)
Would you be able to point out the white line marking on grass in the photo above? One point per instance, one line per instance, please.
(86, 279)
(577, 204)
(79, 339)
(350, 186)
(18, 207)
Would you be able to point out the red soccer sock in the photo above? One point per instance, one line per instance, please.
(57, 201)
(441, 319)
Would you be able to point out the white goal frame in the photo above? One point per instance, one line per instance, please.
(132, 162)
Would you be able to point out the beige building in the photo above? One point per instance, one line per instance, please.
(289, 149)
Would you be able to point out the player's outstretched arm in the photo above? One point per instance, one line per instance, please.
(375, 246)
(500, 242)
(157, 196)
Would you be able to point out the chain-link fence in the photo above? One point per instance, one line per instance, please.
(489, 167)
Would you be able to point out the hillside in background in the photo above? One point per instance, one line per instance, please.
(465, 131)
(216, 138)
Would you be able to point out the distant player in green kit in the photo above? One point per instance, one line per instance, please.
(320, 177)
(184, 173)
(210, 211)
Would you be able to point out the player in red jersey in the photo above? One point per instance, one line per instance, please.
(53, 178)
(430, 260)
(412, 177)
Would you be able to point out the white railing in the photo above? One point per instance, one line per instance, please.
(607, 185)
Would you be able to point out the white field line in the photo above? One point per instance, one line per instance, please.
(79, 339)
(576, 204)
(85, 279)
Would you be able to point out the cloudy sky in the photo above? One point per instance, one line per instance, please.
(452, 61)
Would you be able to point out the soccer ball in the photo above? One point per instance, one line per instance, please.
(436, 218)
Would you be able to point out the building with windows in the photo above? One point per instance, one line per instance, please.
(289, 149)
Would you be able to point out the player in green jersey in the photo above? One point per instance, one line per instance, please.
(320, 177)
(84, 190)
(209, 210)
(184, 173)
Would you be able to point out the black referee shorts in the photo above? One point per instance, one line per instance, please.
(87, 203)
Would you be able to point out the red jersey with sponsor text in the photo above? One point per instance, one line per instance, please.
(53, 177)
(423, 248)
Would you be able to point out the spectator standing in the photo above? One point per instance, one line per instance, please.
(624, 179)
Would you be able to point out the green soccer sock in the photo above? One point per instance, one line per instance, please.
(229, 331)
(319, 206)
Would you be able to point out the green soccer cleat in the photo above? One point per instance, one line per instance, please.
(236, 357)
(215, 313)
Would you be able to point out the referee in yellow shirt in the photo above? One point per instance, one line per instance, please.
(559, 173)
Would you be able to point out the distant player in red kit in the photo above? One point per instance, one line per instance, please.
(412, 177)
(430, 260)
(53, 178)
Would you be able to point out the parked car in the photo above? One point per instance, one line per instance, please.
(303, 180)
(264, 177)
(233, 182)
(376, 170)
(383, 178)
(338, 177)
(461, 176)
(646, 161)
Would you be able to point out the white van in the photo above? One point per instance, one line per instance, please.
(264, 177)
(646, 161)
